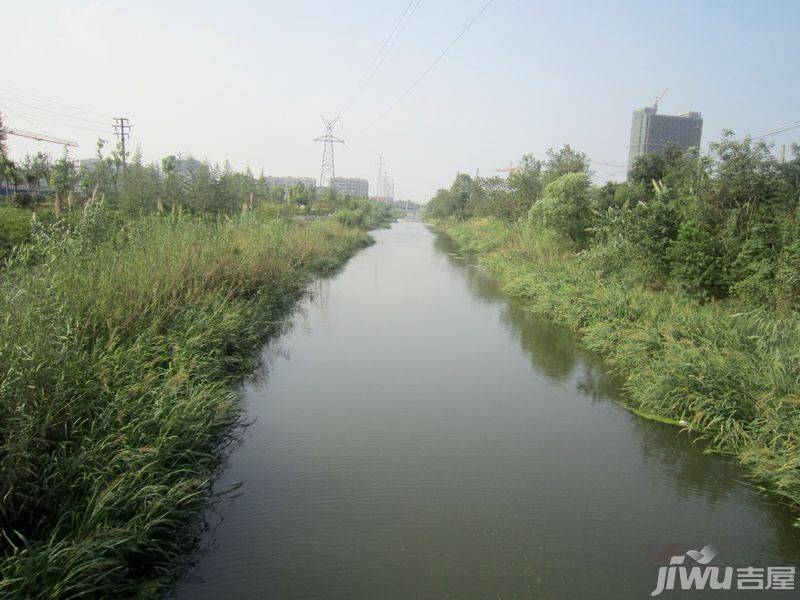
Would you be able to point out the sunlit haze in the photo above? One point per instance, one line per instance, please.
(248, 82)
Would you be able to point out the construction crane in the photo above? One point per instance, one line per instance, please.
(509, 169)
(658, 99)
(39, 137)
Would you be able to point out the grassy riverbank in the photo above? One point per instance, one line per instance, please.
(731, 372)
(121, 340)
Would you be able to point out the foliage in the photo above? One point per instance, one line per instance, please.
(735, 211)
(365, 214)
(564, 207)
(129, 312)
(730, 375)
(694, 259)
(120, 341)
(63, 176)
(564, 161)
(687, 279)
(15, 228)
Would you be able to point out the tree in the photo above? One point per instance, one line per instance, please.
(63, 176)
(654, 167)
(301, 195)
(565, 206)
(459, 194)
(140, 186)
(174, 184)
(695, 261)
(526, 186)
(746, 173)
(564, 161)
(10, 172)
(36, 168)
(440, 206)
(2, 140)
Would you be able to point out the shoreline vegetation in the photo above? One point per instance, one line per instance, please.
(129, 313)
(689, 288)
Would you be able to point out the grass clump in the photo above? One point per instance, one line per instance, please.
(15, 229)
(120, 341)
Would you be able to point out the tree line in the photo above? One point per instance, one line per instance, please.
(139, 188)
(726, 224)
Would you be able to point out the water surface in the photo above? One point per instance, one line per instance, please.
(418, 435)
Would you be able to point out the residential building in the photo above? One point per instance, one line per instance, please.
(351, 186)
(288, 183)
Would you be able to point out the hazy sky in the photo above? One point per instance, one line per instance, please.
(247, 81)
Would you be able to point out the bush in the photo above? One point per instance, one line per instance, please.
(695, 261)
(15, 228)
(350, 218)
(564, 207)
(23, 200)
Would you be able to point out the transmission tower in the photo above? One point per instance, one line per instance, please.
(328, 171)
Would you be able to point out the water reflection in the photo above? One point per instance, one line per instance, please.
(421, 436)
(671, 452)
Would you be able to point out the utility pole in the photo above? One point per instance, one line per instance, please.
(379, 189)
(122, 129)
(328, 169)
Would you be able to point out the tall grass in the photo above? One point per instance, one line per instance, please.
(732, 374)
(119, 345)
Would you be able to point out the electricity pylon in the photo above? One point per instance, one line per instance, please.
(328, 171)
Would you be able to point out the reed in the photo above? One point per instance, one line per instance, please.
(731, 372)
(120, 343)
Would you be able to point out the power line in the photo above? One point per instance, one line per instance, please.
(776, 130)
(39, 119)
(47, 110)
(384, 51)
(33, 123)
(607, 164)
(432, 65)
(12, 90)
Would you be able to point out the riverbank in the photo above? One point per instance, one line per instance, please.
(121, 342)
(732, 374)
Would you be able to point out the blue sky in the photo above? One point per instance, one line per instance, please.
(248, 81)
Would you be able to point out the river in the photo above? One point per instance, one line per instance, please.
(415, 434)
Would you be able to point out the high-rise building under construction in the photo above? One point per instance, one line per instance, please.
(652, 132)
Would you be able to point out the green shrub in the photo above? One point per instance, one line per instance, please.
(695, 263)
(15, 228)
(565, 207)
(350, 218)
(731, 375)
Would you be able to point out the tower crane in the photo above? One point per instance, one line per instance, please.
(509, 169)
(658, 98)
(39, 137)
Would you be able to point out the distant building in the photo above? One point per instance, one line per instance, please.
(88, 164)
(187, 165)
(351, 186)
(288, 183)
(651, 132)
